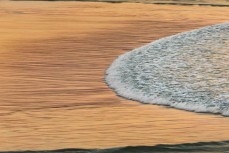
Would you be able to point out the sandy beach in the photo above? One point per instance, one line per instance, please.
(52, 64)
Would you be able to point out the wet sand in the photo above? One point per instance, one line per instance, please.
(52, 63)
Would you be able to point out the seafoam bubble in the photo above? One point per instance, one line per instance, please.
(187, 71)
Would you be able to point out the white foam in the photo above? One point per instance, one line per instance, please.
(187, 71)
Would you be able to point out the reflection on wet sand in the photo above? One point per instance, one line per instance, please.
(52, 63)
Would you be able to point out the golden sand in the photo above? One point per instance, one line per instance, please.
(52, 61)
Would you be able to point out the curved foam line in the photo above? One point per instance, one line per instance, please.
(187, 71)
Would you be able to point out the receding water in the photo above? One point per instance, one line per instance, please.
(53, 57)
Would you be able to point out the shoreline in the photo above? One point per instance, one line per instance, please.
(160, 148)
(226, 4)
(62, 49)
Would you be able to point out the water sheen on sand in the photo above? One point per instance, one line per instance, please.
(187, 71)
(53, 56)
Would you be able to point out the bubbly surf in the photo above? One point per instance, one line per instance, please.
(188, 71)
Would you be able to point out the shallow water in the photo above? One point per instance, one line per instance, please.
(52, 64)
(200, 147)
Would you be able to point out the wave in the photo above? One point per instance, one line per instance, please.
(200, 147)
(187, 71)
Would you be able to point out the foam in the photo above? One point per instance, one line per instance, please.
(187, 71)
